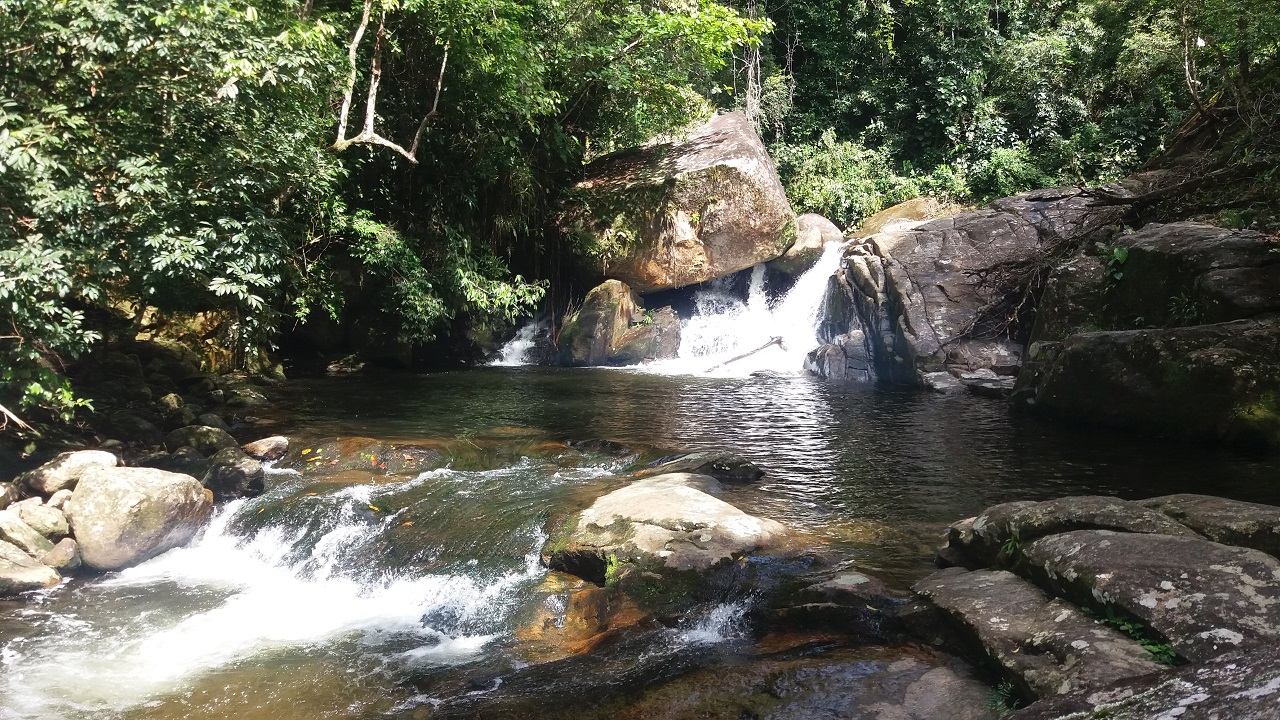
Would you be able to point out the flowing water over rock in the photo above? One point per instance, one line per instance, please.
(359, 593)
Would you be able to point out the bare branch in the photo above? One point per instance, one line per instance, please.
(342, 142)
(435, 104)
(4, 411)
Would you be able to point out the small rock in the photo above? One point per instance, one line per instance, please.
(205, 439)
(64, 556)
(58, 499)
(232, 474)
(48, 521)
(20, 573)
(170, 402)
(267, 449)
(17, 532)
(64, 471)
(213, 420)
(8, 494)
(723, 466)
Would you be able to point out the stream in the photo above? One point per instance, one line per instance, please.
(367, 595)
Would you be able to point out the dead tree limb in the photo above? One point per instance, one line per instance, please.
(368, 135)
(772, 341)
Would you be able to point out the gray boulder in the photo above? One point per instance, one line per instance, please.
(123, 516)
(679, 212)
(608, 311)
(25, 537)
(1242, 685)
(213, 420)
(20, 573)
(232, 474)
(58, 499)
(44, 519)
(64, 471)
(1230, 522)
(204, 439)
(655, 337)
(267, 449)
(65, 556)
(1047, 646)
(985, 536)
(8, 494)
(670, 522)
(1202, 597)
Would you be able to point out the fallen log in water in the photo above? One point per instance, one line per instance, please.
(772, 341)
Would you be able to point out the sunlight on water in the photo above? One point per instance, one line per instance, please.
(152, 630)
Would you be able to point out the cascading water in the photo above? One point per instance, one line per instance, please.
(725, 327)
(516, 350)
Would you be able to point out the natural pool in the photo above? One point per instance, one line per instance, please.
(360, 595)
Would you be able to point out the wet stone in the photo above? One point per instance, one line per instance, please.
(1203, 597)
(1048, 646)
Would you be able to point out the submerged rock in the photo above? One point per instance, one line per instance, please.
(123, 516)
(1047, 646)
(723, 466)
(64, 471)
(665, 522)
(20, 573)
(681, 212)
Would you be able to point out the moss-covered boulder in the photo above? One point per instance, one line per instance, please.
(683, 211)
(588, 334)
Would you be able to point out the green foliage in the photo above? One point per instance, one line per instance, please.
(1003, 699)
(1115, 263)
(1160, 652)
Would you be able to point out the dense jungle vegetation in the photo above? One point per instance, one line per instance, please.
(231, 168)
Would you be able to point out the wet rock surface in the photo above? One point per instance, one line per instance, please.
(20, 573)
(1046, 645)
(1241, 685)
(1203, 597)
(723, 466)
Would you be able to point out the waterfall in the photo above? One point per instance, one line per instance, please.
(724, 326)
(516, 351)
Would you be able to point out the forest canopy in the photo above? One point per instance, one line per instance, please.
(270, 162)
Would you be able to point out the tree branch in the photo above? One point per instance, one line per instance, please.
(368, 135)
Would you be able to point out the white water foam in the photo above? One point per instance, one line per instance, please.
(725, 622)
(725, 327)
(239, 599)
(516, 351)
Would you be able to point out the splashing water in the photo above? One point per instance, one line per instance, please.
(516, 351)
(725, 327)
(224, 601)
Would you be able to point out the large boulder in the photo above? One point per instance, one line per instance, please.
(932, 298)
(1206, 383)
(1230, 522)
(64, 471)
(664, 522)
(1204, 598)
(683, 211)
(1045, 645)
(906, 215)
(20, 573)
(123, 516)
(608, 311)
(1241, 685)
